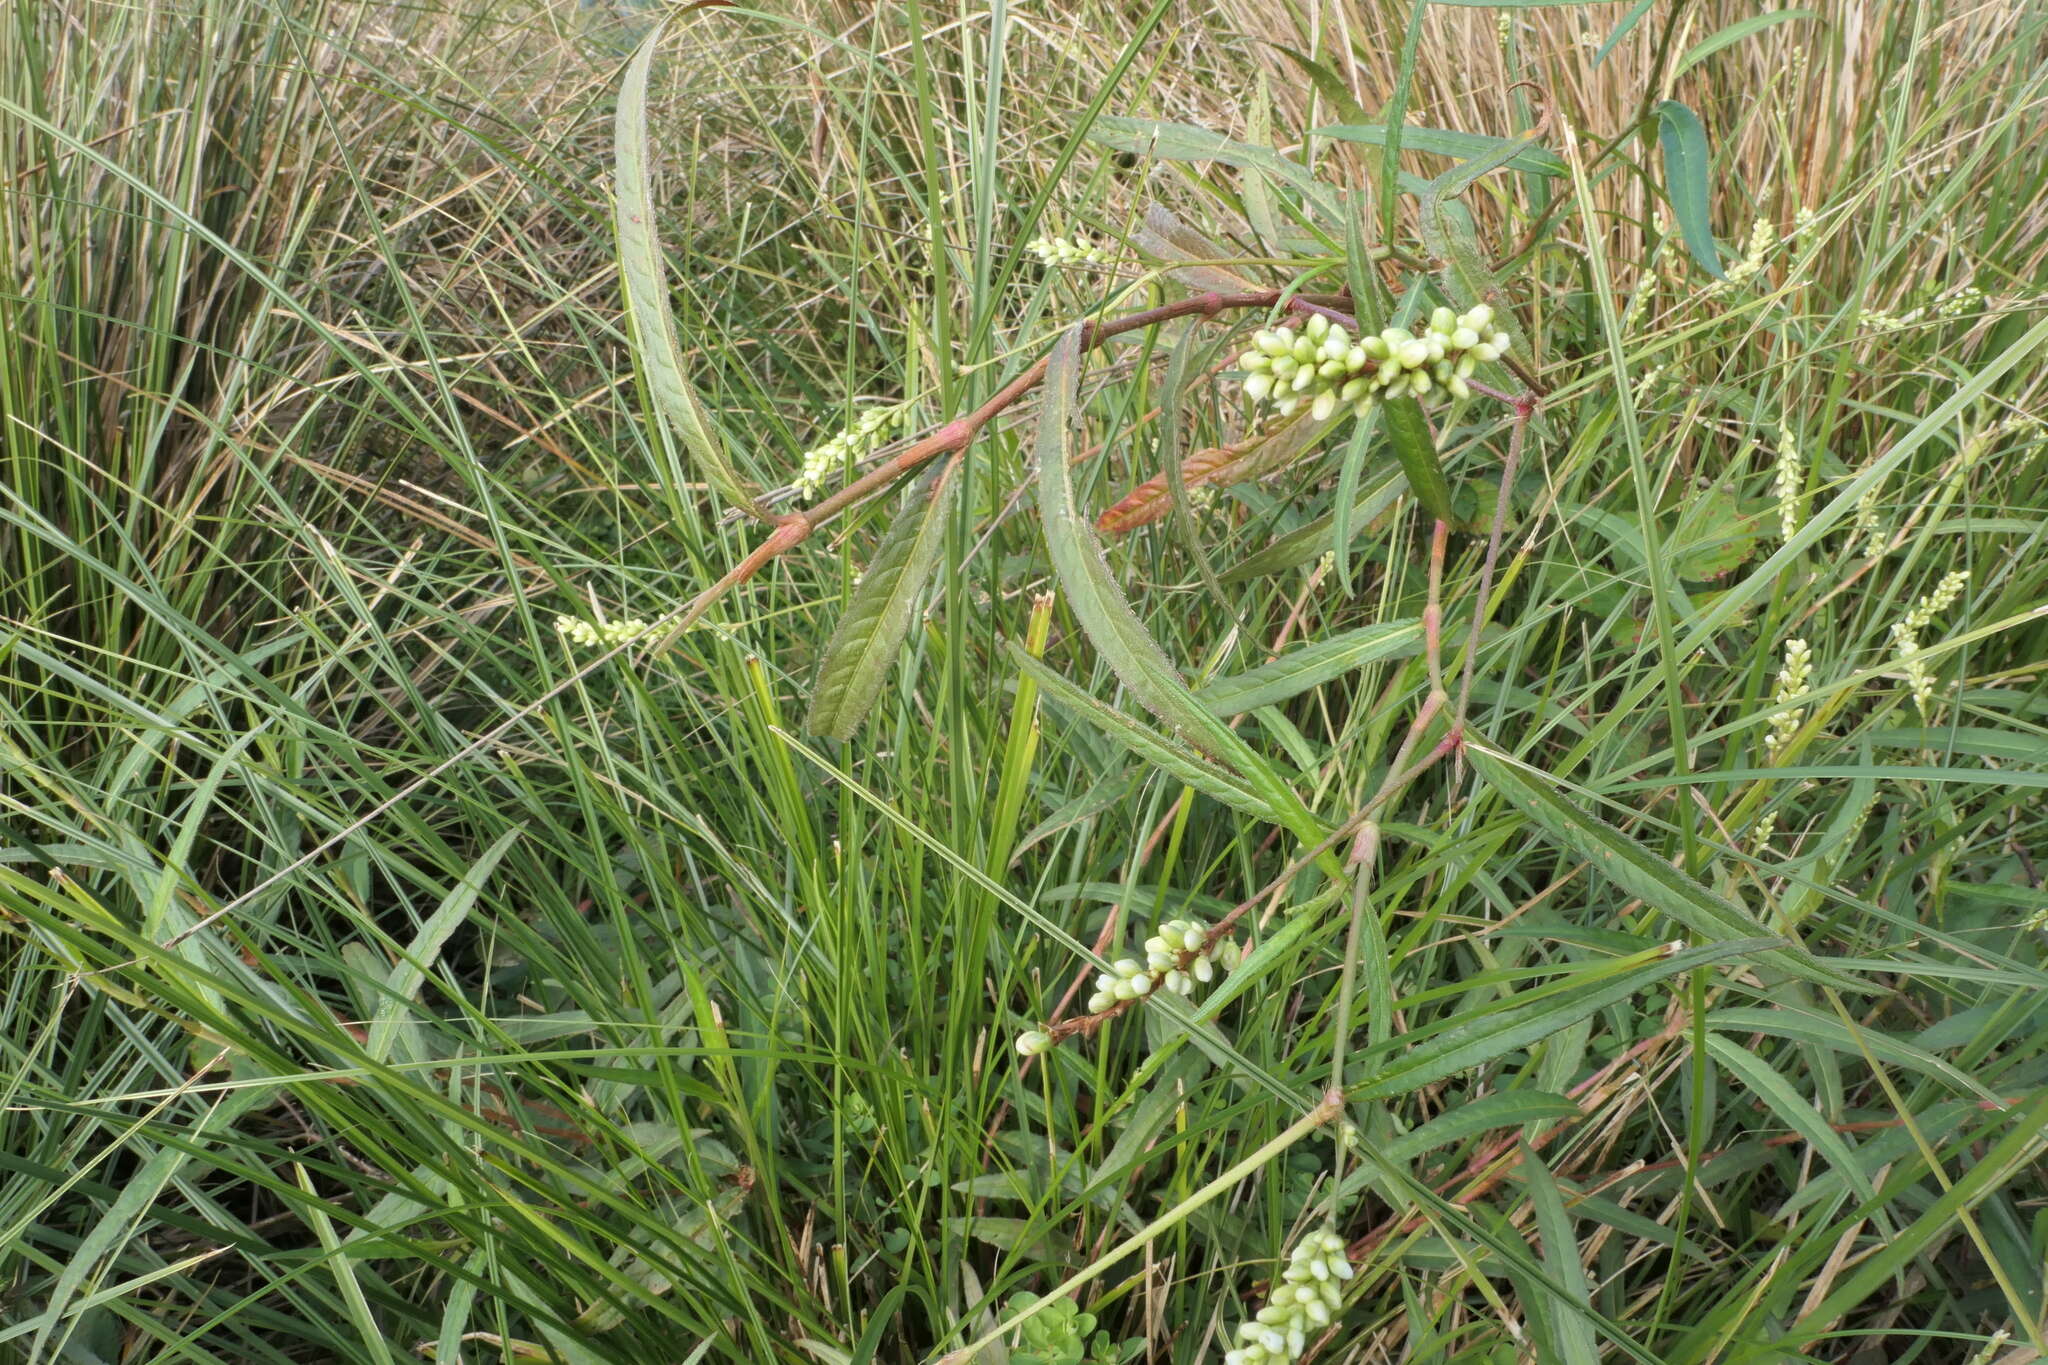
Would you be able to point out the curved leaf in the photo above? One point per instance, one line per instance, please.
(1735, 33)
(1311, 665)
(1187, 142)
(1140, 739)
(1107, 619)
(1084, 575)
(1299, 546)
(1521, 153)
(1510, 1029)
(653, 330)
(1639, 872)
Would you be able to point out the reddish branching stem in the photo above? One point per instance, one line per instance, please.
(795, 528)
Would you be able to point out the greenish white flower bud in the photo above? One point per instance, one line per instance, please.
(1306, 1297)
(1031, 1042)
(607, 635)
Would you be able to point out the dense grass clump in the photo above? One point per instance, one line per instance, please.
(506, 857)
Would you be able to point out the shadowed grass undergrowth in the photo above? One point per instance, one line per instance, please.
(390, 976)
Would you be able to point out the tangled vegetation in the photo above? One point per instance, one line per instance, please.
(1055, 683)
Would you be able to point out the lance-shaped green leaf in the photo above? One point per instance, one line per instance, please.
(1735, 33)
(870, 634)
(1311, 665)
(1639, 872)
(640, 261)
(1084, 575)
(1187, 142)
(1415, 448)
(1567, 1328)
(1515, 1025)
(1381, 490)
(1107, 619)
(1685, 182)
(1330, 85)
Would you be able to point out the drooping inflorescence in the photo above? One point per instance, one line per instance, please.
(1322, 365)
(1308, 1295)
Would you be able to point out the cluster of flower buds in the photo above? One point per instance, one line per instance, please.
(1175, 940)
(608, 635)
(1793, 679)
(1167, 963)
(1323, 366)
(1906, 637)
(1176, 957)
(1309, 1293)
(1075, 250)
(854, 443)
(1126, 979)
(1763, 239)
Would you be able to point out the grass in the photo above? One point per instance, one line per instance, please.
(388, 978)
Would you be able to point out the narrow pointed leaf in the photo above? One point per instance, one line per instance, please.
(1735, 33)
(870, 634)
(1501, 1031)
(1639, 872)
(1142, 740)
(653, 330)
(1187, 142)
(1415, 448)
(1097, 602)
(1523, 154)
(1381, 490)
(1107, 619)
(1331, 85)
(1311, 665)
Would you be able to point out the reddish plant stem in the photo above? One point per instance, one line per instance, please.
(793, 529)
(1433, 612)
(1302, 305)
